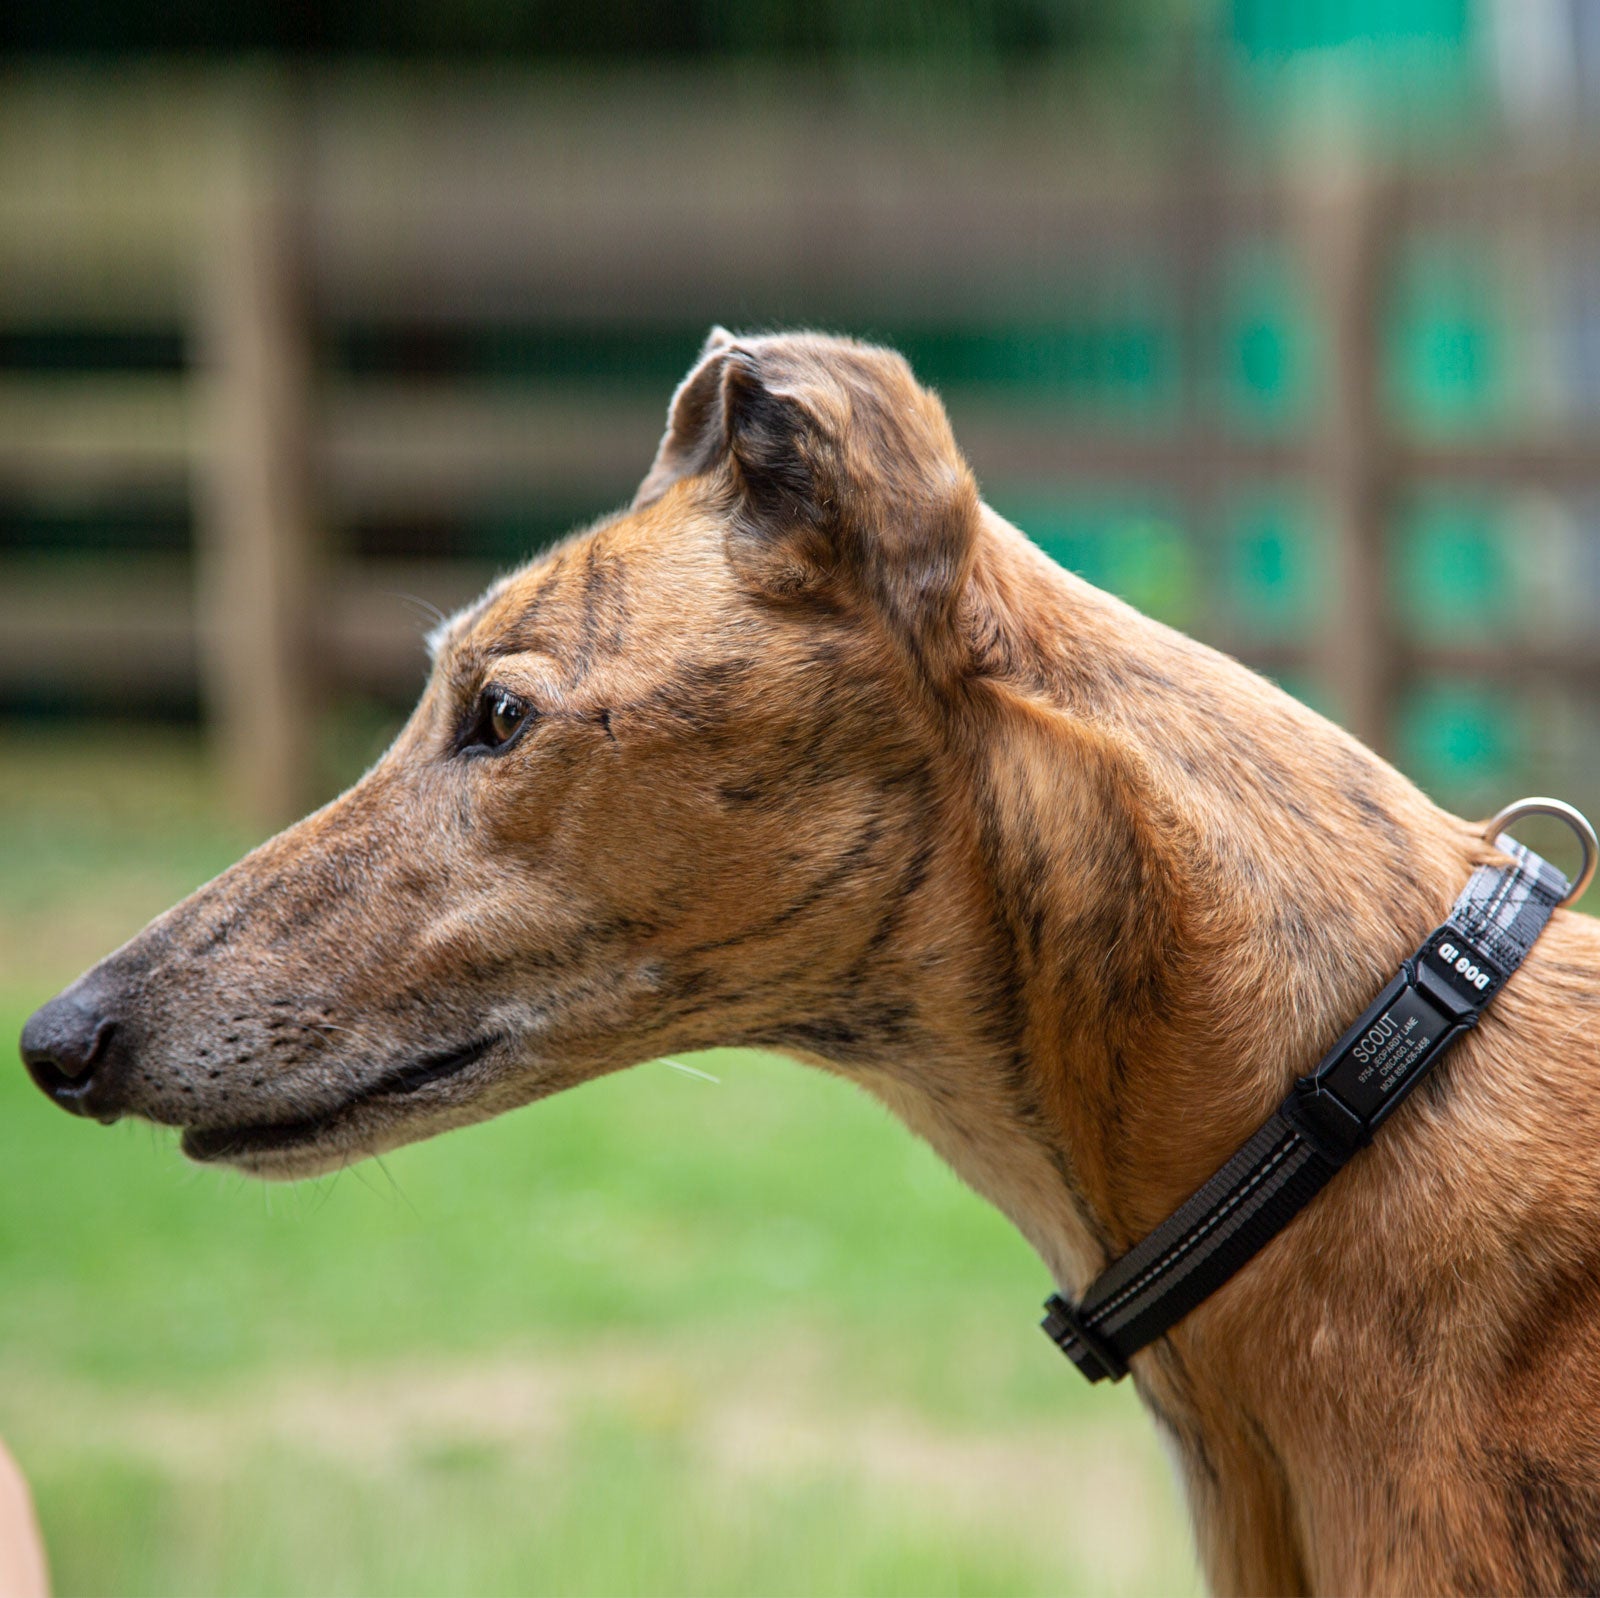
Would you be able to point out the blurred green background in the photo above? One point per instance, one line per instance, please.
(1277, 319)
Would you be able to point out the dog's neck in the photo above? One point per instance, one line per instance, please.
(1184, 883)
(1177, 886)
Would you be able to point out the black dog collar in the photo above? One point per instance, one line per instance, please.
(1439, 993)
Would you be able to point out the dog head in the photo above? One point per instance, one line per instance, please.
(676, 784)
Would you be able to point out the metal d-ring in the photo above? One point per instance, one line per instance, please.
(1562, 811)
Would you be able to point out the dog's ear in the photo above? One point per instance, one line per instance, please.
(695, 439)
(841, 470)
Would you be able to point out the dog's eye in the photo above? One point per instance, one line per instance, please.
(500, 717)
(504, 717)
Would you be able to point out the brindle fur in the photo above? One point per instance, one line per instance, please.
(830, 759)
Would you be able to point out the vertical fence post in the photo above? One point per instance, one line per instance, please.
(1345, 221)
(255, 523)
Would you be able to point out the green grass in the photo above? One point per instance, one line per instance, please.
(657, 1336)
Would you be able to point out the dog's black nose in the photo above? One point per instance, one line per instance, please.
(64, 1044)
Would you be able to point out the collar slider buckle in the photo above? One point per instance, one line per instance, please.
(1065, 1326)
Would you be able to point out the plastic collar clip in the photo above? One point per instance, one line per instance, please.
(1066, 1328)
(1439, 993)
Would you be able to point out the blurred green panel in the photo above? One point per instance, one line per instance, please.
(1379, 74)
(1457, 738)
(1307, 690)
(65, 348)
(1120, 360)
(125, 525)
(1444, 367)
(1285, 26)
(1270, 571)
(1133, 547)
(514, 530)
(657, 356)
(1266, 342)
(1453, 572)
(1151, 564)
(652, 355)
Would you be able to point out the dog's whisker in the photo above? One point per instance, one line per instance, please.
(361, 1177)
(427, 606)
(689, 1070)
(333, 1026)
(325, 1191)
(399, 1192)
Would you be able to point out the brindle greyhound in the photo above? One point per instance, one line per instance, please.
(809, 750)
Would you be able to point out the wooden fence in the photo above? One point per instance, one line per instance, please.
(253, 212)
